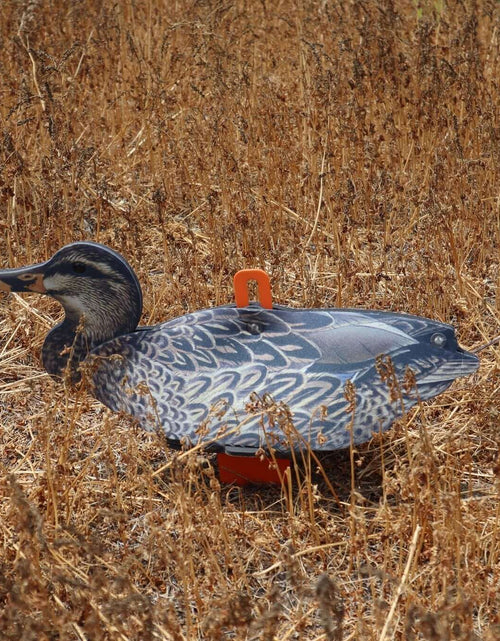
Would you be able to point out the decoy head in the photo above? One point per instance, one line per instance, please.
(100, 294)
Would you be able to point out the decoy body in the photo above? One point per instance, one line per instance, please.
(194, 376)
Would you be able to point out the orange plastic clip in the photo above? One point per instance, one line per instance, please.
(241, 279)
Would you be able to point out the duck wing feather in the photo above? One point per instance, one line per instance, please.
(251, 377)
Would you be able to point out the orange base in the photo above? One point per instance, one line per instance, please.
(244, 470)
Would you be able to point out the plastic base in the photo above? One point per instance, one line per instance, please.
(244, 470)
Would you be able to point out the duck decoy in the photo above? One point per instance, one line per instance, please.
(209, 375)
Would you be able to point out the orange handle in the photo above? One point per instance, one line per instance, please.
(241, 279)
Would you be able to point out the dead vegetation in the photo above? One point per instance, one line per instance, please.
(352, 149)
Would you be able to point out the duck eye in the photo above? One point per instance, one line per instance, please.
(438, 339)
(79, 268)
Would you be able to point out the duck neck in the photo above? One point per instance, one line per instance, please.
(66, 346)
(98, 312)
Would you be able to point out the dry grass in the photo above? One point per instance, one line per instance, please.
(353, 150)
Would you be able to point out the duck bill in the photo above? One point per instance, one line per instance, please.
(26, 279)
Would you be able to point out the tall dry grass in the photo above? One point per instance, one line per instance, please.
(352, 149)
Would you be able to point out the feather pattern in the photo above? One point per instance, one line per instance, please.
(206, 367)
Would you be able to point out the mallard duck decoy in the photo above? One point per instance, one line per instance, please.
(194, 376)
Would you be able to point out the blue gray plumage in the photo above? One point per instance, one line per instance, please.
(239, 378)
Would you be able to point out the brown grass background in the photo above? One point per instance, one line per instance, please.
(352, 149)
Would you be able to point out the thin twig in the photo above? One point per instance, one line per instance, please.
(494, 341)
(402, 584)
(320, 200)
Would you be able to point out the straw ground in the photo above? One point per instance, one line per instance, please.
(352, 150)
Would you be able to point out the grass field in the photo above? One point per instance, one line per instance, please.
(352, 149)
